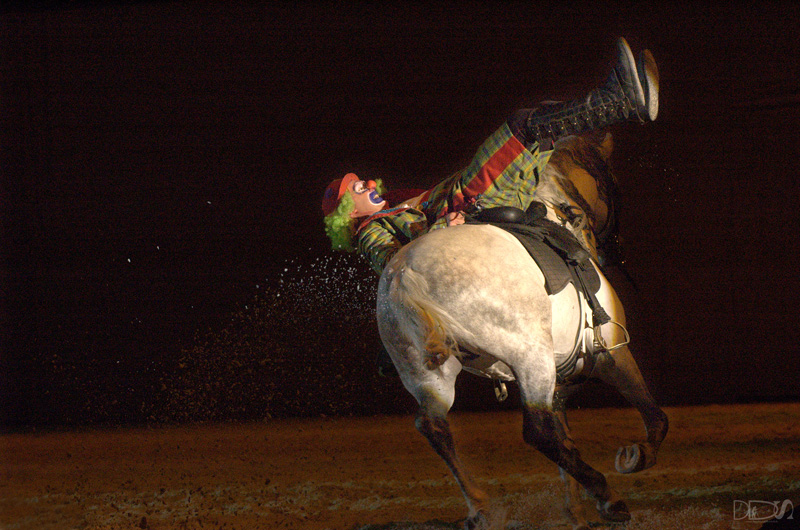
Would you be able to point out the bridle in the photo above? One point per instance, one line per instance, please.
(580, 215)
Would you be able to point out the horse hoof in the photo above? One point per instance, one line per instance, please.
(633, 458)
(477, 522)
(616, 512)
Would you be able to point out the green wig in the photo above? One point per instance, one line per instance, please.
(340, 227)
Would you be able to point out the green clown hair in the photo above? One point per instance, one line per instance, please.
(340, 227)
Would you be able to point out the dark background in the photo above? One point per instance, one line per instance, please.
(162, 166)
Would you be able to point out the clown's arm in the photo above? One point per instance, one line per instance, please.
(383, 235)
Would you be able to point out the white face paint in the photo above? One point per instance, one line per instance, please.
(366, 199)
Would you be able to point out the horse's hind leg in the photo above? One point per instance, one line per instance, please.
(621, 372)
(542, 429)
(432, 423)
(434, 390)
(573, 508)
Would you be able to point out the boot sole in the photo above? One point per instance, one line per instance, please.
(649, 79)
(627, 55)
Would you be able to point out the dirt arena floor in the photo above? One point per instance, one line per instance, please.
(378, 473)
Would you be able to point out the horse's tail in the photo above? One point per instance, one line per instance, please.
(424, 317)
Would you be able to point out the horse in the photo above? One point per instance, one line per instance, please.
(469, 297)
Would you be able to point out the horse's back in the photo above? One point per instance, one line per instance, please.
(483, 279)
(470, 252)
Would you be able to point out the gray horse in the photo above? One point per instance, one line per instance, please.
(470, 297)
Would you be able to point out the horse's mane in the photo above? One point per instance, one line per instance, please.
(590, 153)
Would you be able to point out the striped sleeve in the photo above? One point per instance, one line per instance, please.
(382, 235)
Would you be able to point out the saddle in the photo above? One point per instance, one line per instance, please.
(562, 260)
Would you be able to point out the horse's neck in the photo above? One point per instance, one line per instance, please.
(585, 186)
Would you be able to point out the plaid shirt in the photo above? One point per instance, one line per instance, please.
(502, 173)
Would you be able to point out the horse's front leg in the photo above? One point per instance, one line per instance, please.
(620, 371)
(434, 426)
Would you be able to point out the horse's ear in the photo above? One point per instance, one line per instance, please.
(606, 146)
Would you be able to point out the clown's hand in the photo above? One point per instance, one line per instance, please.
(455, 218)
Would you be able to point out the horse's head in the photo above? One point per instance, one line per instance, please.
(580, 188)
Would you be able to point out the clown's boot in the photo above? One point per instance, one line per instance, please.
(630, 93)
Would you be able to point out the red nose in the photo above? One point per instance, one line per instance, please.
(371, 184)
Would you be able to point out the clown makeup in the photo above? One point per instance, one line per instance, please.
(366, 199)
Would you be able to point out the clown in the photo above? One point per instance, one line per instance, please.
(504, 171)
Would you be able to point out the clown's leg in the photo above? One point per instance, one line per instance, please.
(630, 93)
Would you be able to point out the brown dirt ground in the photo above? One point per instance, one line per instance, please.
(379, 473)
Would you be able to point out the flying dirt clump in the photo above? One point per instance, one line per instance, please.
(304, 345)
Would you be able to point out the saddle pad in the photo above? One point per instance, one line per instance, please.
(556, 273)
(558, 254)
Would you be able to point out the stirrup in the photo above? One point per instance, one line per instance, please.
(601, 343)
(500, 390)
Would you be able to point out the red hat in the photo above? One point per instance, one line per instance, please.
(334, 192)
